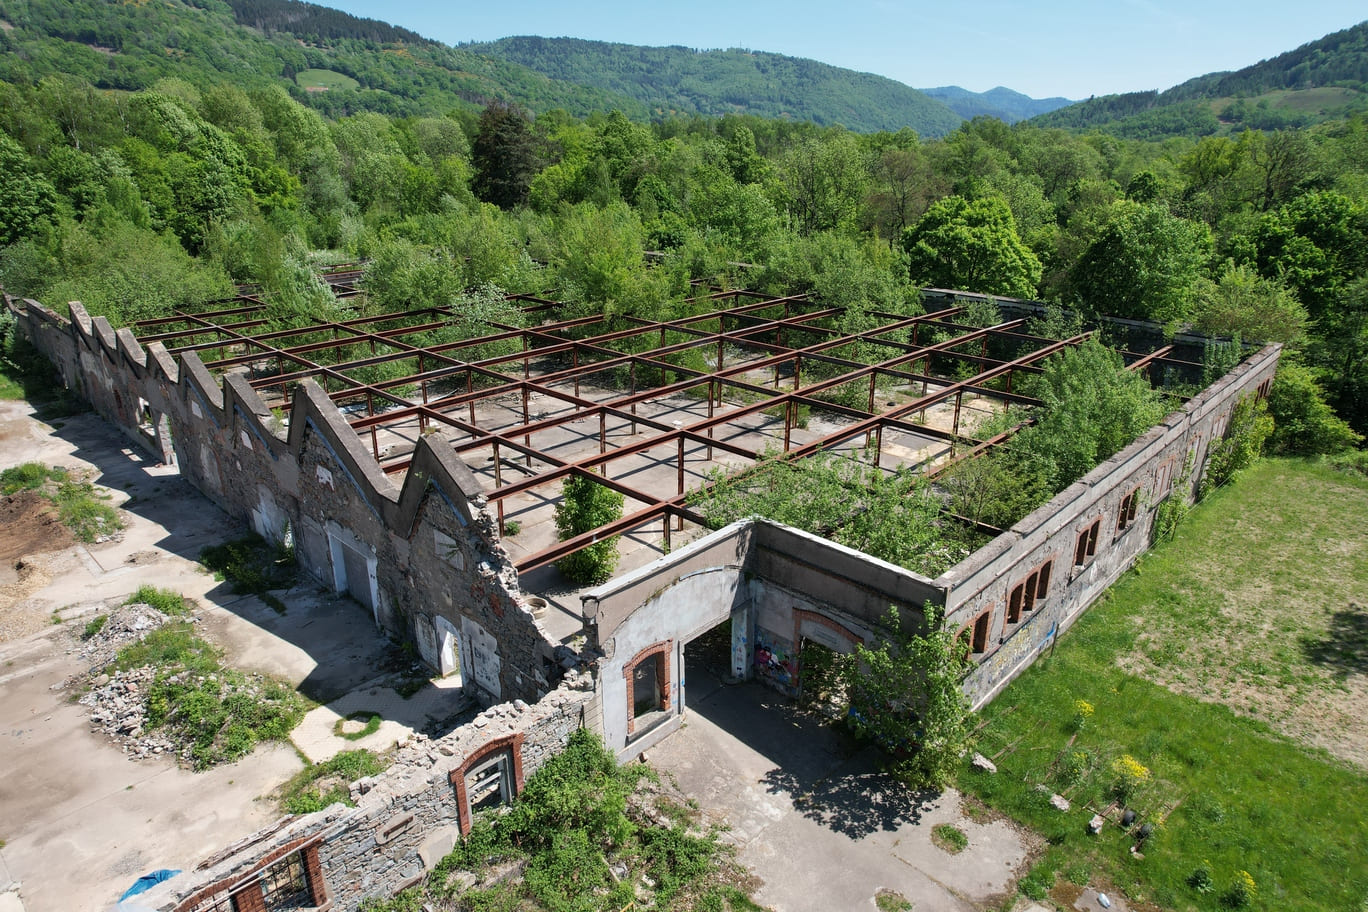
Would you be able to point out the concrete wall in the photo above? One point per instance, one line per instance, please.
(1151, 466)
(426, 558)
(776, 585)
(405, 820)
(779, 585)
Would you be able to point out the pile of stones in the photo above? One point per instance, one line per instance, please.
(118, 702)
(118, 708)
(125, 625)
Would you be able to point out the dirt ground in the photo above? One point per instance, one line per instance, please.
(31, 526)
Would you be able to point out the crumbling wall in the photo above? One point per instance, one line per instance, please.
(425, 559)
(1147, 470)
(405, 819)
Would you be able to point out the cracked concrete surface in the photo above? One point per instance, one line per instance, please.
(79, 821)
(813, 818)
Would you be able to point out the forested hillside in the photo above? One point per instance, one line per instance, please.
(334, 62)
(1003, 103)
(134, 200)
(1323, 80)
(675, 81)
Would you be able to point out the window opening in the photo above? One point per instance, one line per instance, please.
(1087, 543)
(1125, 514)
(980, 641)
(489, 784)
(1043, 583)
(647, 694)
(285, 886)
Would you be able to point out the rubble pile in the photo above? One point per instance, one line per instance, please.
(126, 624)
(118, 708)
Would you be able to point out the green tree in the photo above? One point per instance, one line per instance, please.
(824, 180)
(1091, 407)
(1145, 265)
(1317, 244)
(971, 245)
(903, 186)
(1241, 302)
(504, 154)
(1303, 424)
(586, 505)
(27, 199)
(994, 488)
(906, 694)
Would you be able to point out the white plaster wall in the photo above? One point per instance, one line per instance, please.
(680, 612)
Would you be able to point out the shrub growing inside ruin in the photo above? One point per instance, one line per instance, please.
(1240, 445)
(585, 505)
(905, 694)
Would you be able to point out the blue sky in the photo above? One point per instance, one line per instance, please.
(1071, 48)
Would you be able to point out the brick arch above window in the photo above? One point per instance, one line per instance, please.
(512, 746)
(661, 651)
(841, 630)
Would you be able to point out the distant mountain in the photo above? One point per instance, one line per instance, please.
(1003, 103)
(679, 80)
(1320, 80)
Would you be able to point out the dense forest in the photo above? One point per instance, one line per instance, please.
(135, 201)
(679, 81)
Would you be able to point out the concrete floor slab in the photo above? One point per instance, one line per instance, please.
(437, 702)
(813, 817)
(79, 821)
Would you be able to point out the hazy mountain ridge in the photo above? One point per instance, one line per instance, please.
(1005, 104)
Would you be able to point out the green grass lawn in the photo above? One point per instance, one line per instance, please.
(1252, 604)
(324, 79)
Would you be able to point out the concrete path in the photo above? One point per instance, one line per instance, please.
(813, 818)
(316, 735)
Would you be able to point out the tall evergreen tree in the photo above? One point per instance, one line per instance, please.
(505, 156)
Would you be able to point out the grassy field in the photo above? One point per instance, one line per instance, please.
(322, 80)
(1195, 695)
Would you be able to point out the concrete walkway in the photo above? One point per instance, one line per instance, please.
(813, 817)
(438, 701)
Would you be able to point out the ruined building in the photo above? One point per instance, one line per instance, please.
(399, 465)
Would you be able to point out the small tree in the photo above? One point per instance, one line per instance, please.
(1241, 444)
(586, 505)
(905, 694)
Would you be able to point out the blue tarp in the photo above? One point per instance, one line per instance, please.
(148, 881)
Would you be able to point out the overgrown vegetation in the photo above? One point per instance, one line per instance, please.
(893, 517)
(319, 785)
(26, 374)
(218, 712)
(586, 505)
(1242, 443)
(253, 566)
(1186, 716)
(905, 694)
(167, 601)
(585, 843)
(81, 508)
